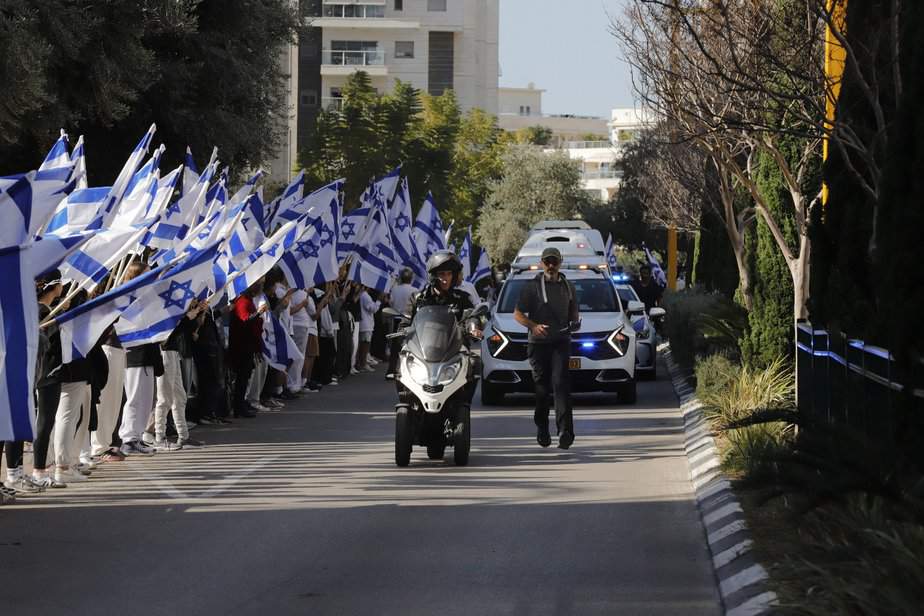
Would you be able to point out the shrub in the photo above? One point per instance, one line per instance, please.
(701, 324)
(713, 374)
(749, 390)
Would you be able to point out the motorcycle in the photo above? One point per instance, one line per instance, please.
(436, 377)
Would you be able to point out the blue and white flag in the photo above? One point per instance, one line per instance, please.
(351, 229)
(140, 193)
(312, 261)
(190, 173)
(428, 230)
(93, 261)
(449, 235)
(279, 348)
(610, 252)
(321, 198)
(181, 214)
(19, 265)
(83, 326)
(372, 265)
(656, 270)
(266, 257)
(160, 307)
(246, 234)
(117, 191)
(483, 270)
(78, 210)
(292, 194)
(355, 223)
(400, 221)
(80, 164)
(465, 255)
(248, 188)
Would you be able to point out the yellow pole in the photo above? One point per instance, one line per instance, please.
(672, 258)
(835, 58)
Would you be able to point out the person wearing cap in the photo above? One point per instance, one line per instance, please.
(546, 307)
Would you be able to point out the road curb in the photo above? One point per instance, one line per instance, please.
(741, 579)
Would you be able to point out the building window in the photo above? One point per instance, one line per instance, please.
(436, 5)
(399, 5)
(309, 98)
(441, 66)
(404, 49)
(354, 53)
(354, 11)
(528, 111)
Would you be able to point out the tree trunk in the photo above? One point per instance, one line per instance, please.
(801, 271)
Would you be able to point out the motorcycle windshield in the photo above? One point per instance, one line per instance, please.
(434, 334)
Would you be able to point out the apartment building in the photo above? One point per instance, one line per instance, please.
(434, 45)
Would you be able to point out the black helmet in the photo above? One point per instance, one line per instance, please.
(443, 261)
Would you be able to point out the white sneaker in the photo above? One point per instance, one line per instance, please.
(136, 448)
(165, 445)
(354, 371)
(90, 462)
(47, 481)
(372, 361)
(81, 468)
(148, 439)
(369, 368)
(259, 406)
(70, 476)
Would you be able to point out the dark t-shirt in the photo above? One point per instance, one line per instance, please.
(649, 294)
(557, 312)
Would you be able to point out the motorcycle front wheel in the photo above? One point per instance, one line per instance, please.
(403, 436)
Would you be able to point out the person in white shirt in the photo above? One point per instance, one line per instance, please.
(301, 324)
(368, 309)
(403, 293)
(467, 287)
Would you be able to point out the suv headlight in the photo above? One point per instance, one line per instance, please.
(418, 371)
(497, 342)
(449, 372)
(619, 341)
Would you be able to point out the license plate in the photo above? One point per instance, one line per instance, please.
(574, 363)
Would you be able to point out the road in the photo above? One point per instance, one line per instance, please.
(303, 512)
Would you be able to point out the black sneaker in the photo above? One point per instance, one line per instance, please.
(543, 437)
(565, 440)
(246, 413)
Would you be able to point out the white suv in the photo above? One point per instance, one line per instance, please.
(602, 351)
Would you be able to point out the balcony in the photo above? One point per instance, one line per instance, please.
(585, 145)
(331, 103)
(336, 62)
(601, 174)
(368, 14)
(353, 11)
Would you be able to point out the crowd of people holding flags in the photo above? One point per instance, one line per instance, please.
(124, 301)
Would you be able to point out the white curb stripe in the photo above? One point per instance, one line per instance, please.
(751, 575)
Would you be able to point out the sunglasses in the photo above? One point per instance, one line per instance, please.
(551, 261)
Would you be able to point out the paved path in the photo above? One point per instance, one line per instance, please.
(304, 512)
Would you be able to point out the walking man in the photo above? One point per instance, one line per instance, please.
(547, 309)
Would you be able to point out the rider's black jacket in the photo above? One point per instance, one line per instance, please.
(458, 300)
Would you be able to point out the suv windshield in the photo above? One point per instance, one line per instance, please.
(592, 295)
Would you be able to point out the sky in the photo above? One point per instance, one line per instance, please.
(565, 48)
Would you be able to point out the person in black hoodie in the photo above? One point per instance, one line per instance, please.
(143, 364)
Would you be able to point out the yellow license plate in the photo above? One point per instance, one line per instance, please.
(574, 363)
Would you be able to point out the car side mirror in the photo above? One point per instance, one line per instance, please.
(634, 307)
(657, 312)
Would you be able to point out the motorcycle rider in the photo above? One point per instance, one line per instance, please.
(443, 267)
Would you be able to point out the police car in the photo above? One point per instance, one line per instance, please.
(646, 338)
(602, 350)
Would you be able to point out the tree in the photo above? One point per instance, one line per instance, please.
(533, 186)
(476, 163)
(206, 72)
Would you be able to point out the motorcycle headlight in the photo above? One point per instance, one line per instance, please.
(497, 342)
(418, 371)
(619, 341)
(449, 372)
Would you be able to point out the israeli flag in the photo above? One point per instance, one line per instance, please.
(166, 186)
(93, 261)
(312, 261)
(110, 209)
(160, 307)
(465, 255)
(190, 173)
(266, 257)
(78, 210)
(80, 164)
(483, 270)
(610, 252)
(372, 267)
(284, 202)
(179, 215)
(351, 229)
(279, 348)
(246, 235)
(400, 223)
(317, 200)
(82, 327)
(140, 192)
(19, 265)
(248, 188)
(29, 200)
(656, 270)
(428, 230)
(356, 223)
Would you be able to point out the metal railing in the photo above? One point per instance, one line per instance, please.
(334, 57)
(585, 145)
(601, 174)
(846, 380)
(354, 11)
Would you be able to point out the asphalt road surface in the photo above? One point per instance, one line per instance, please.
(304, 512)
